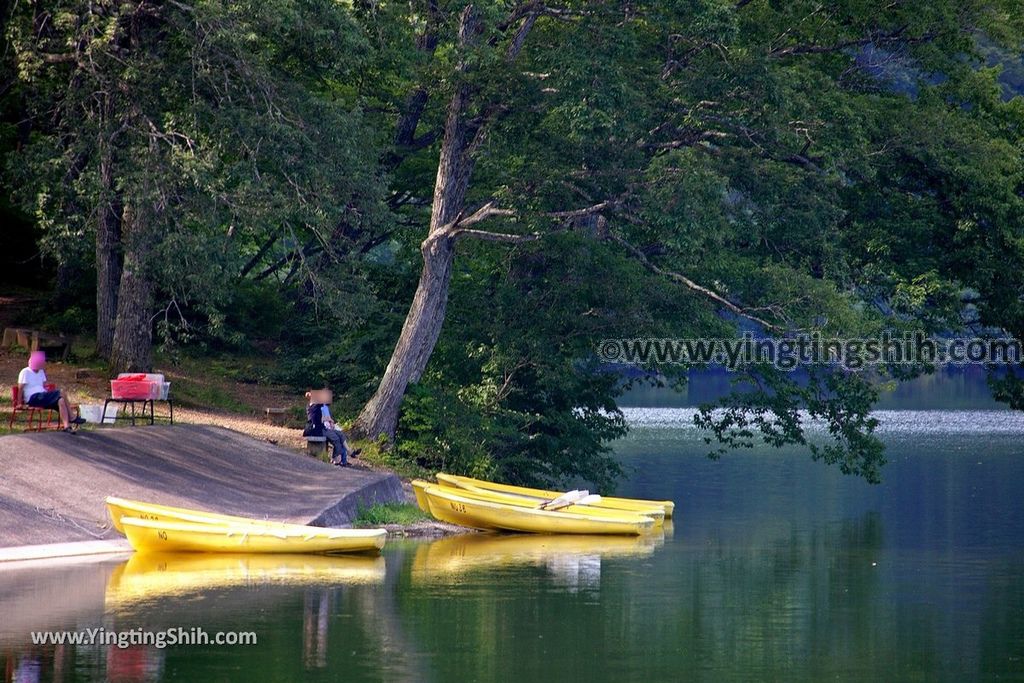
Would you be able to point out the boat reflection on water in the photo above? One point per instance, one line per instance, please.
(150, 576)
(573, 561)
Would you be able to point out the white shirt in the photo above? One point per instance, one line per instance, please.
(34, 381)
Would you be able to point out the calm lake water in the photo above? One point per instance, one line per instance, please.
(776, 568)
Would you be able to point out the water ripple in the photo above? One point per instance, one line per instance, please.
(891, 421)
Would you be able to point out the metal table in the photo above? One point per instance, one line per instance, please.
(122, 415)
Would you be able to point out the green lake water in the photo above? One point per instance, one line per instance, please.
(775, 569)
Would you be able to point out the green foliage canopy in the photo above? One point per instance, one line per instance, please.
(843, 167)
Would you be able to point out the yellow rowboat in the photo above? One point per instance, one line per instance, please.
(582, 508)
(152, 535)
(419, 489)
(456, 555)
(121, 507)
(151, 576)
(471, 510)
(607, 502)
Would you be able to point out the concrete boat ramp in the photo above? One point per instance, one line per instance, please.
(52, 484)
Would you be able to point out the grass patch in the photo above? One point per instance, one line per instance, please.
(83, 354)
(193, 394)
(389, 513)
(375, 453)
(234, 368)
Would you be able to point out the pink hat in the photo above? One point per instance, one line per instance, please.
(36, 360)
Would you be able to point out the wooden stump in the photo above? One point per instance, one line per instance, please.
(317, 447)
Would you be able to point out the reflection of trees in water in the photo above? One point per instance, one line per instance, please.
(803, 605)
(315, 620)
(575, 572)
(490, 604)
(316, 625)
(384, 635)
(809, 604)
(775, 604)
(1001, 637)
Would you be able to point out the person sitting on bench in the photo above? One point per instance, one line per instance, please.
(320, 423)
(33, 392)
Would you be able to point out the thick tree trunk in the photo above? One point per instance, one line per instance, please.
(426, 314)
(416, 102)
(415, 344)
(108, 263)
(132, 347)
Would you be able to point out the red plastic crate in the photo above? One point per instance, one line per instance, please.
(134, 389)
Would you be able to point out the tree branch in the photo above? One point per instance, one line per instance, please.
(459, 229)
(690, 284)
(881, 38)
(405, 141)
(586, 211)
(260, 253)
(486, 211)
(488, 236)
(58, 58)
(518, 13)
(516, 46)
(308, 249)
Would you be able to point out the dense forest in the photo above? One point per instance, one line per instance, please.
(440, 208)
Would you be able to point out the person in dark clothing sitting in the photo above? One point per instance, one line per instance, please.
(320, 423)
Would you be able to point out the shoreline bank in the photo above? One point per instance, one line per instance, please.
(53, 485)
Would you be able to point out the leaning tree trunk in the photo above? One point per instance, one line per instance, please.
(426, 314)
(108, 262)
(415, 344)
(132, 347)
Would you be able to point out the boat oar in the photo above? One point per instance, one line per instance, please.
(564, 500)
(567, 498)
(590, 499)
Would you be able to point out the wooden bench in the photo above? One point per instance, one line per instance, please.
(12, 338)
(58, 348)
